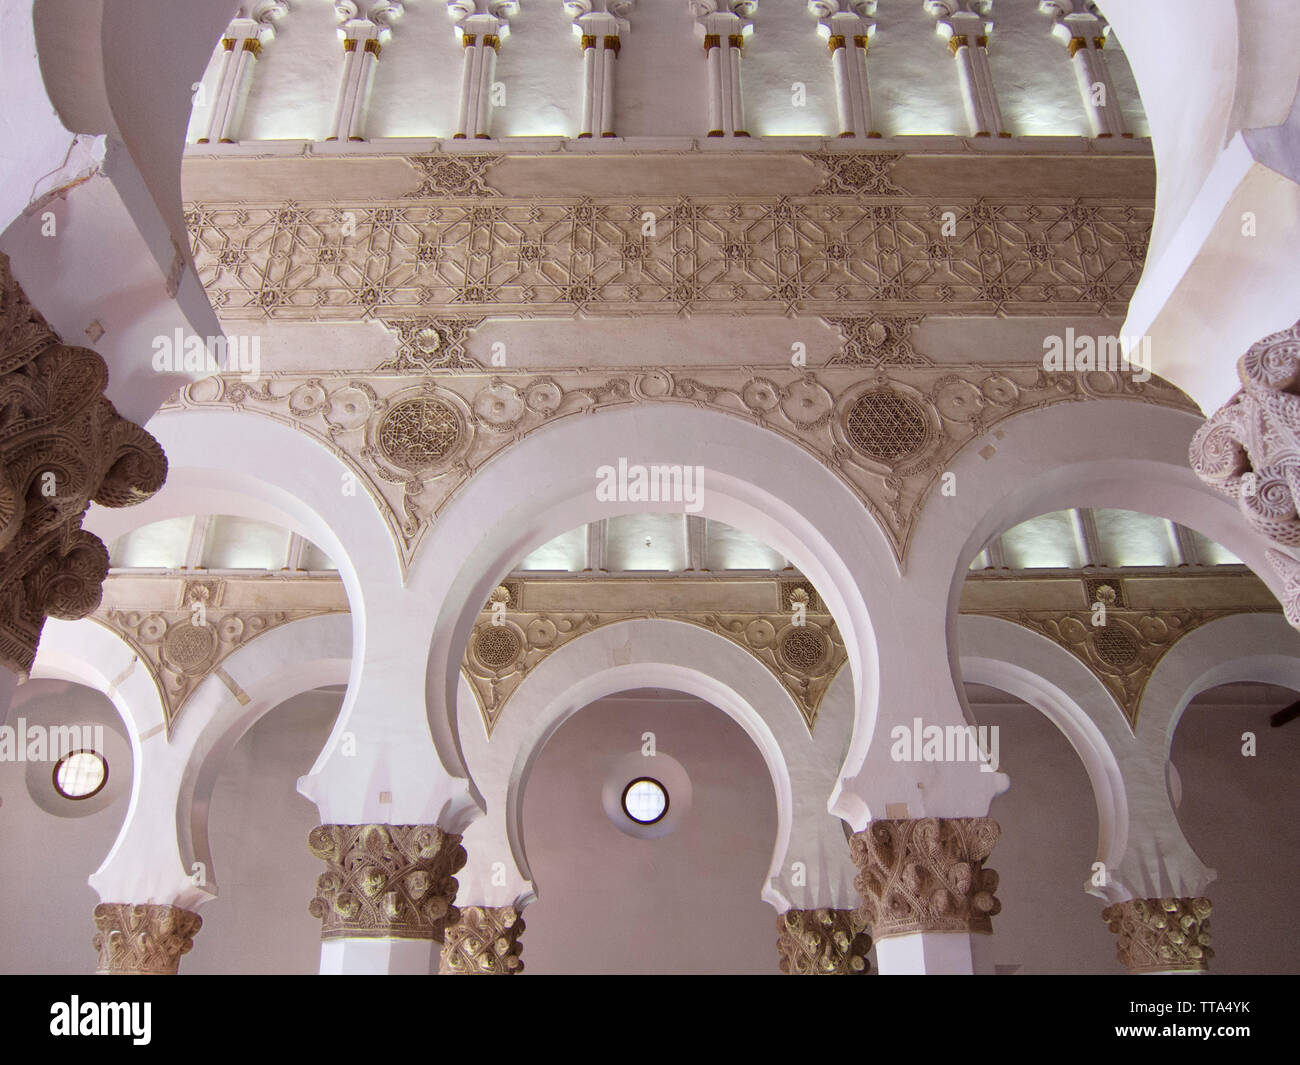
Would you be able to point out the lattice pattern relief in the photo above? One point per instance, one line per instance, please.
(803, 254)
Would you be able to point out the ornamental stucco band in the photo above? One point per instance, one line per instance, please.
(926, 875)
(143, 938)
(348, 260)
(823, 943)
(414, 441)
(385, 881)
(63, 445)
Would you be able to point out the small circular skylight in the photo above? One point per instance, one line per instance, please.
(645, 801)
(80, 775)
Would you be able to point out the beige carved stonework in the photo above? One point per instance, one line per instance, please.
(926, 875)
(1162, 935)
(414, 441)
(143, 939)
(385, 881)
(1123, 652)
(823, 943)
(1249, 449)
(505, 647)
(484, 941)
(183, 629)
(63, 445)
(855, 239)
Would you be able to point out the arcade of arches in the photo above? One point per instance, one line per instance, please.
(649, 486)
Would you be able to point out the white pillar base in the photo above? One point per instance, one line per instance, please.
(933, 954)
(379, 957)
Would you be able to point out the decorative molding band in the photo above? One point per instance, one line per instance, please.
(926, 875)
(143, 938)
(823, 943)
(413, 442)
(1249, 449)
(484, 941)
(804, 658)
(184, 643)
(1162, 935)
(385, 881)
(1123, 652)
(63, 445)
(720, 256)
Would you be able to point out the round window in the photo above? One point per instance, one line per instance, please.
(80, 775)
(645, 801)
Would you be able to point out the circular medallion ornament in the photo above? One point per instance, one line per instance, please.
(189, 648)
(886, 425)
(417, 433)
(803, 648)
(760, 395)
(497, 646)
(499, 406)
(1115, 647)
(349, 408)
(807, 404)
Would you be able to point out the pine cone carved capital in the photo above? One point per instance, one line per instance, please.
(1162, 935)
(484, 942)
(385, 881)
(143, 939)
(926, 875)
(63, 445)
(823, 943)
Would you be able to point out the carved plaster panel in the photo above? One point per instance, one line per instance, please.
(183, 641)
(1123, 652)
(504, 648)
(414, 441)
(567, 257)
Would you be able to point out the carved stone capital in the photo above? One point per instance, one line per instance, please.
(926, 875)
(143, 939)
(385, 881)
(1249, 449)
(1162, 935)
(483, 941)
(63, 445)
(823, 943)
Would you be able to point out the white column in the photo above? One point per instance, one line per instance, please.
(363, 40)
(1084, 35)
(847, 35)
(596, 546)
(696, 543)
(481, 27)
(598, 28)
(962, 24)
(723, 25)
(241, 46)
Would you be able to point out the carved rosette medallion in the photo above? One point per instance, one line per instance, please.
(1162, 935)
(385, 881)
(823, 943)
(1249, 449)
(926, 875)
(64, 446)
(143, 939)
(484, 941)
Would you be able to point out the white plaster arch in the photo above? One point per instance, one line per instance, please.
(664, 654)
(1240, 647)
(1043, 674)
(164, 832)
(754, 479)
